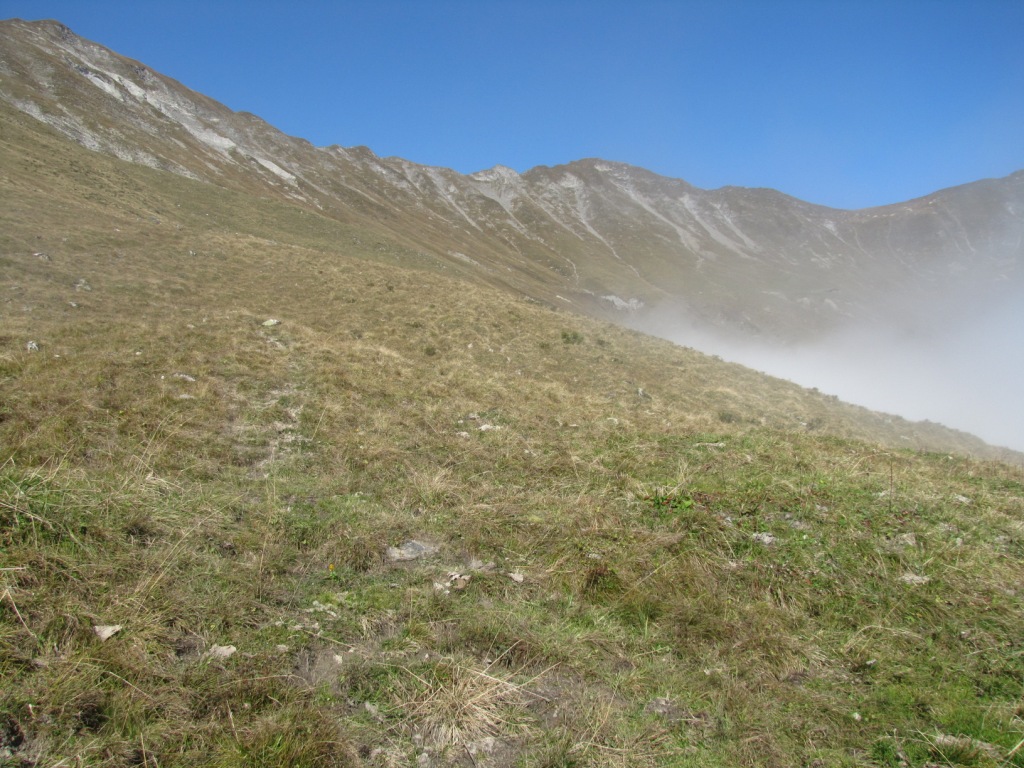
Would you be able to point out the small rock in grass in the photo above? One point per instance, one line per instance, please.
(485, 746)
(661, 706)
(914, 580)
(411, 550)
(222, 651)
(516, 577)
(458, 580)
(763, 538)
(271, 323)
(106, 631)
(673, 713)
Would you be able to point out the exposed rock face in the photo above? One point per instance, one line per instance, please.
(597, 236)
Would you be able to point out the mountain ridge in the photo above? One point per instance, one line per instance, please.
(571, 234)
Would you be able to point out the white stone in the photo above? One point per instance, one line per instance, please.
(106, 631)
(222, 651)
(914, 580)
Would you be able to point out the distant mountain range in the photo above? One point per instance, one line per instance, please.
(595, 236)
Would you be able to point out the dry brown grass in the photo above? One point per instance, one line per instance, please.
(454, 703)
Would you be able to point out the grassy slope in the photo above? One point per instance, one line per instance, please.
(174, 466)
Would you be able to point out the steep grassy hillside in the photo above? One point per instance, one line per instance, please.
(278, 491)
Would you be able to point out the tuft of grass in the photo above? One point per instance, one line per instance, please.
(306, 738)
(455, 704)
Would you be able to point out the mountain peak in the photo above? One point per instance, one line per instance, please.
(495, 173)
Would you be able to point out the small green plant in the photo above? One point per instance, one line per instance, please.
(572, 337)
(885, 752)
(664, 502)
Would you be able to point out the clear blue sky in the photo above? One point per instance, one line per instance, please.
(846, 103)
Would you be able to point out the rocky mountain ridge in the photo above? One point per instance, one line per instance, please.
(595, 236)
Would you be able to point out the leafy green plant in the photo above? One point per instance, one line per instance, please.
(669, 501)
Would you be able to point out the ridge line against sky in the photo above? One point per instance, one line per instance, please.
(849, 104)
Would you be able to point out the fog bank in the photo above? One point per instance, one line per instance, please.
(964, 370)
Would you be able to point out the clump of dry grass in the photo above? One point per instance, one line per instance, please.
(455, 703)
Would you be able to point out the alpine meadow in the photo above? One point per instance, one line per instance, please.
(314, 458)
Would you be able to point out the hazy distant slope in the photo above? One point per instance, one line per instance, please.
(597, 236)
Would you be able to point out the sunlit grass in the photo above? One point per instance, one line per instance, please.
(641, 556)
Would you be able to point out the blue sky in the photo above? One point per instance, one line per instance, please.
(849, 104)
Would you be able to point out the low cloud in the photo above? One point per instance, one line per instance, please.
(961, 367)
